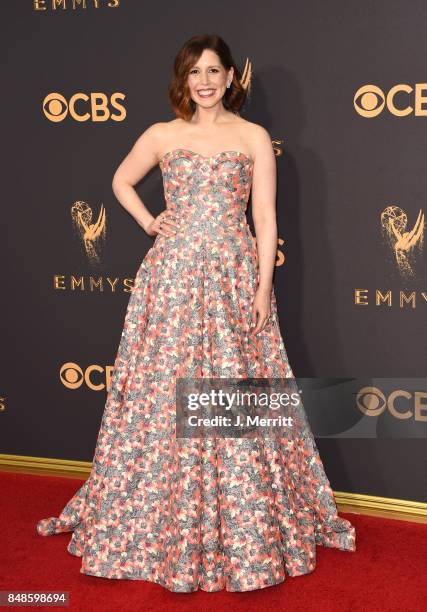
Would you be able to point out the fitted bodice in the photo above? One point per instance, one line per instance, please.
(213, 189)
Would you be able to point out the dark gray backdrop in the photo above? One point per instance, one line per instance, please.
(338, 171)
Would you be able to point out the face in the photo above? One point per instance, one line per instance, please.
(208, 79)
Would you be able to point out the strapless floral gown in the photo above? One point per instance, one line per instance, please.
(232, 513)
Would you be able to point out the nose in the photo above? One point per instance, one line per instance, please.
(204, 79)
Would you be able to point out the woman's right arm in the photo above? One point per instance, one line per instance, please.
(141, 158)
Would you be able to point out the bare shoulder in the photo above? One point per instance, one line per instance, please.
(156, 136)
(259, 138)
(160, 130)
(259, 134)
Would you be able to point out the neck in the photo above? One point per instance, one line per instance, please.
(205, 117)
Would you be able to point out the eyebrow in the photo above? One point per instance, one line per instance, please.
(212, 66)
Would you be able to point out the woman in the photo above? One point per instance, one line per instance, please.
(200, 512)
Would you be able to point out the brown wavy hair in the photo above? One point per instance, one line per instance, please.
(179, 93)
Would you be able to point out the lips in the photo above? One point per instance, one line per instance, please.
(205, 93)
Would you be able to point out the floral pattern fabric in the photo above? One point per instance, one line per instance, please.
(232, 513)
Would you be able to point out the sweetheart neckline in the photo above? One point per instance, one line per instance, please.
(207, 157)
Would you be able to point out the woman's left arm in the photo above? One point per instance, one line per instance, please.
(264, 182)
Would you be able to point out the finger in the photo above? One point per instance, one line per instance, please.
(257, 317)
(165, 220)
(174, 221)
(162, 225)
(261, 326)
(267, 320)
(162, 233)
(256, 330)
(254, 315)
(171, 218)
(264, 325)
(169, 229)
(256, 326)
(166, 224)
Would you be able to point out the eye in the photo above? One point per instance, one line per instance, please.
(194, 70)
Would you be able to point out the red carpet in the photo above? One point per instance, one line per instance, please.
(386, 573)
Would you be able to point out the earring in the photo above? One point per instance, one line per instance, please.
(228, 85)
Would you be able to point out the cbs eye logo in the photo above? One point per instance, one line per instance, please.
(82, 107)
(94, 376)
(401, 404)
(369, 100)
